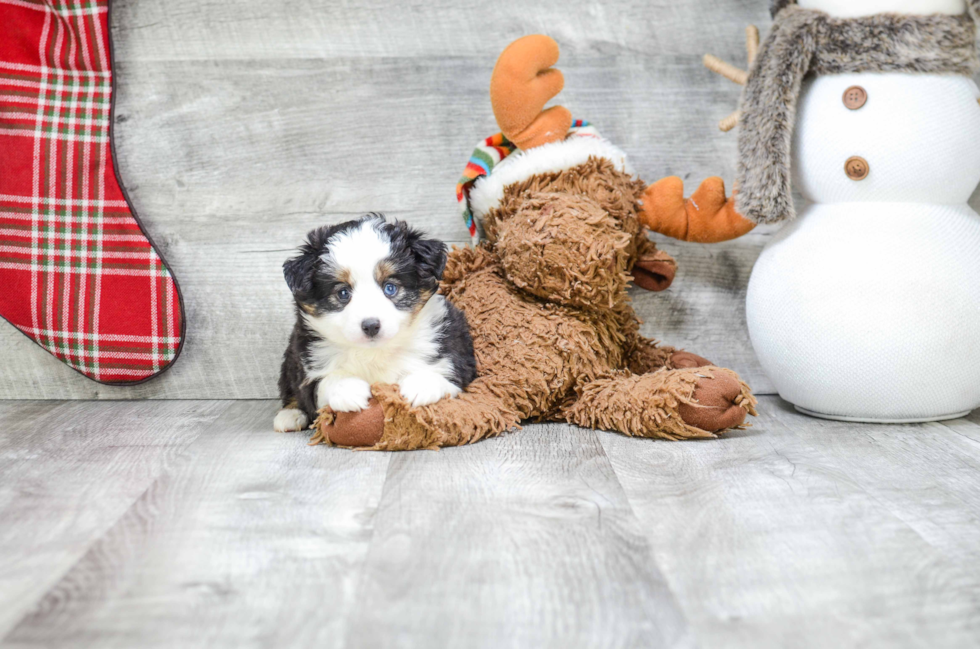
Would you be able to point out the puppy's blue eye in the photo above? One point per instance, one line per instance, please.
(390, 289)
(343, 294)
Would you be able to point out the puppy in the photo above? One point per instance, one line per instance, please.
(367, 312)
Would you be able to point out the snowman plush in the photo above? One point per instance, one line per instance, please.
(866, 305)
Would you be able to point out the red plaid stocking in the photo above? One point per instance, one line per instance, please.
(77, 273)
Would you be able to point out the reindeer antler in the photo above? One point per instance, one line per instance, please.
(732, 73)
(707, 216)
(523, 81)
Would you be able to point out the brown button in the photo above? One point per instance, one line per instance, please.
(856, 168)
(855, 97)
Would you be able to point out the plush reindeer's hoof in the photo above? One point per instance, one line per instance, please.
(684, 360)
(717, 406)
(356, 429)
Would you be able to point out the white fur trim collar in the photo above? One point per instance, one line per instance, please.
(488, 191)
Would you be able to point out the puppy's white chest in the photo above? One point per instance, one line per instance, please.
(370, 365)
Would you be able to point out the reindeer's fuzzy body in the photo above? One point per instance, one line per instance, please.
(554, 334)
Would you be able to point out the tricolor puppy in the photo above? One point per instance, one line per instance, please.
(367, 312)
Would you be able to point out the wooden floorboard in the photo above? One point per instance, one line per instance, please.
(807, 533)
(68, 472)
(255, 540)
(521, 541)
(190, 523)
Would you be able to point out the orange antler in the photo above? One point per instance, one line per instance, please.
(707, 216)
(523, 82)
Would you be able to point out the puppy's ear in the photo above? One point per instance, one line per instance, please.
(430, 258)
(299, 270)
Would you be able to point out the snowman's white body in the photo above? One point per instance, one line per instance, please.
(867, 306)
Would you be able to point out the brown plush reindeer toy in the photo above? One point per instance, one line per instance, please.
(545, 294)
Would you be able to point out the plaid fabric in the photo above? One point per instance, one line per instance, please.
(488, 154)
(78, 275)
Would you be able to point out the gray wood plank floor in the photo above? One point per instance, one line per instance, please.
(189, 523)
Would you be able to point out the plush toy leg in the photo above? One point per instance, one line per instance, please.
(706, 217)
(391, 424)
(682, 360)
(350, 429)
(648, 356)
(672, 404)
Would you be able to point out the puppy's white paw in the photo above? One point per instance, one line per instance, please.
(289, 420)
(421, 389)
(345, 395)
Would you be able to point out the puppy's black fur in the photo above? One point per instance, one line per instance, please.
(294, 389)
(417, 265)
(456, 344)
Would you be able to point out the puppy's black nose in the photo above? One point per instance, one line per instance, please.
(371, 327)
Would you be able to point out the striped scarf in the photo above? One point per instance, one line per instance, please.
(487, 155)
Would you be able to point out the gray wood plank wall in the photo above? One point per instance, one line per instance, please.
(241, 125)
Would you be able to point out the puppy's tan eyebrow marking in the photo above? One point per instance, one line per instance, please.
(383, 271)
(343, 275)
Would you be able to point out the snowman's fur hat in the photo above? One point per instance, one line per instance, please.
(776, 5)
(804, 41)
